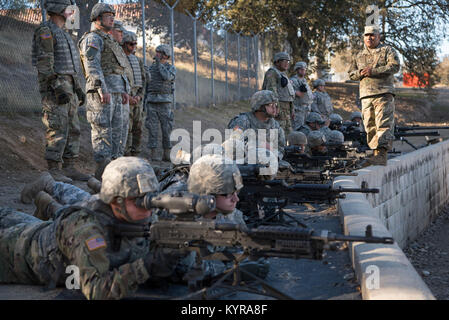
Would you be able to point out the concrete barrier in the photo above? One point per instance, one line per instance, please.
(413, 189)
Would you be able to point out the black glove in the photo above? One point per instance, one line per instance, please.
(303, 87)
(284, 82)
(61, 96)
(161, 263)
(81, 96)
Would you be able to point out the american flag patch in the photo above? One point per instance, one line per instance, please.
(95, 243)
(46, 36)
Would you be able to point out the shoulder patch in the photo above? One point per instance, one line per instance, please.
(46, 35)
(96, 242)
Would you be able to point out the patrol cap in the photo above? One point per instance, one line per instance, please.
(319, 82)
(356, 114)
(335, 117)
(57, 6)
(261, 98)
(99, 9)
(127, 177)
(281, 56)
(336, 137)
(129, 36)
(165, 49)
(371, 29)
(296, 138)
(214, 175)
(300, 65)
(314, 117)
(316, 138)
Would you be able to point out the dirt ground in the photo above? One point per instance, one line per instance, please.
(22, 140)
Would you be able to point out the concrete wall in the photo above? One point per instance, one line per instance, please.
(413, 189)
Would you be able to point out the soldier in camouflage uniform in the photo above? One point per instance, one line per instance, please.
(57, 61)
(375, 67)
(276, 80)
(322, 103)
(137, 94)
(298, 139)
(314, 121)
(159, 101)
(33, 251)
(317, 143)
(303, 95)
(212, 175)
(261, 116)
(336, 121)
(107, 88)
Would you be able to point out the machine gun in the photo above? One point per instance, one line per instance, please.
(402, 132)
(264, 241)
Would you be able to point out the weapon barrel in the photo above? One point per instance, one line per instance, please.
(329, 188)
(409, 128)
(416, 134)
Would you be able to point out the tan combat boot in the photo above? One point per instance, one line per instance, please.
(45, 182)
(166, 155)
(100, 168)
(68, 167)
(46, 206)
(56, 173)
(379, 158)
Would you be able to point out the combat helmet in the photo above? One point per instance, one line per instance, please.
(319, 82)
(316, 138)
(281, 56)
(127, 177)
(314, 117)
(165, 49)
(57, 6)
(261, 98)
(335, 137)
(356, 114)
(300, 65)
(214, 175)
(99, 9)
(129, 36)
(335, 118)
(296, 138)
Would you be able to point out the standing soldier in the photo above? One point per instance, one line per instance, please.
(277, 81)
(136, 96)
(303, 95)
(57, 61)
(322, 103)
(159, 101)
(104, 65)
(374, 67)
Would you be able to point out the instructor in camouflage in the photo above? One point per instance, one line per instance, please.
(137, 94)
(276, 80)
(111, 264)
(159, 101)
(303, 95)
(107, 88)
(57, 61)
(375, 67)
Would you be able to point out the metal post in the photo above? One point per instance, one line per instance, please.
(195, 54)
(226, 67)
(256, 65)
(212, 63)
(172, 32)
(248, 63)
(43, 11)
(238, 65)
(143, 32)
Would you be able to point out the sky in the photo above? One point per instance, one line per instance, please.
(444, 49)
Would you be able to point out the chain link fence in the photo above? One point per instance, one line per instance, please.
(214, 66)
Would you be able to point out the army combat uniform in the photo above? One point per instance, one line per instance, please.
(159, 102)
(104, 65)
(282, 88)
(136, 110)
(301, 104)
(322, 104)
(377, 93)
(58, 65)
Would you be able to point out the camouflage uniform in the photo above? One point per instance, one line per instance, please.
(37, 252)
(58, 65)
(322, 104)
(248, 120)
(104, 65)
(301, 104)
(159, 102)
(285, 95)
(133, 146)
(377, 93)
